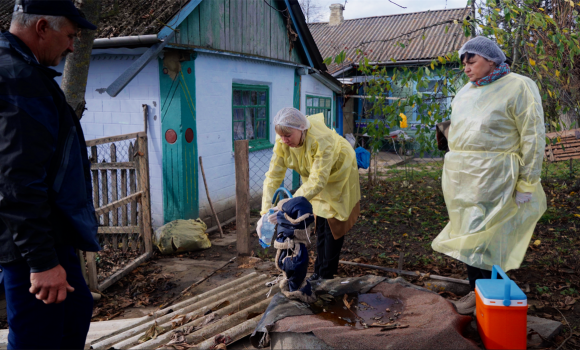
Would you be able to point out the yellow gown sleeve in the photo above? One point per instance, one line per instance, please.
(274, 176)
(319, 171)
(529, 119)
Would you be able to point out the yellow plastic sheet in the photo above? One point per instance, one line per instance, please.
(496, 142)
(327, 164)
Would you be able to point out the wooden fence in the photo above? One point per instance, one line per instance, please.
(121, 196)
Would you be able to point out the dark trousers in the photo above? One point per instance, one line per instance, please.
(475, 273)
(327, 250)
(35, 325)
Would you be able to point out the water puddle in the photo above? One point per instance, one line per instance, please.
(358, 310)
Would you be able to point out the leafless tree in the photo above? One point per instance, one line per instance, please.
(312, 11)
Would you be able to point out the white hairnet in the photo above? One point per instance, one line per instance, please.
(292, 118)
(484, 47)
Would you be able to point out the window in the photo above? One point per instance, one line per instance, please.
(315, 105)
(250, 115)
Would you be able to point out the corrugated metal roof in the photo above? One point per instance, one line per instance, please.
(379, 36)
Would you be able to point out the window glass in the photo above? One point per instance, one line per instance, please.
(250, 119)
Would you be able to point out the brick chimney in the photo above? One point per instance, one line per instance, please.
(336, 16)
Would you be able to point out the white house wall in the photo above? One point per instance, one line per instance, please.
(311, 86)
(215, 76)
(108, 116)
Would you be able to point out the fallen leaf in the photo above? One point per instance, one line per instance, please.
(346, 302)
(537, 242)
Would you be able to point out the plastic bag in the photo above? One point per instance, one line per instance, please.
(350, 138)
(268, 230)
(181, 236)
(363, 158)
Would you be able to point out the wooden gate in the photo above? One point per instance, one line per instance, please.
(120, 175)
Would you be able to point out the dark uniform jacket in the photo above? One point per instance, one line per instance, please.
(45, 182)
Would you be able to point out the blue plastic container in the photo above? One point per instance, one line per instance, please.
(268, 229)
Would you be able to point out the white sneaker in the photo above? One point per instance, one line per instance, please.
(466, 305)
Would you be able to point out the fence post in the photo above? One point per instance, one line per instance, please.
(132, 190)
(90, 256)
(115, 195)
(242, 159)
(143, 171)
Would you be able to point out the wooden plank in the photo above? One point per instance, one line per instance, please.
(245, 27)
(123, 272)
(182, 36)
(205, 19)
(242, 196)
(124, 208)
(132, 190)
(102, 140)
(283, 35)
(145, 199)
(194, 27)
(104, 195)
(105, 209)
(568, 150)
(114, 194)
(92, 270)
(256, 27)
(95, 176)
(226, 26)
(563, 134)
(217, 20)
(118, 230)
(265, 22)
(113, 165)
(274, 30)
(403, 272)
(251, 26)
(83, 264)
(562, 158)
(236, 26)
(260, 28)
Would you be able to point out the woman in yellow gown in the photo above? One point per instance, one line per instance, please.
(491, 176)
(327, 165)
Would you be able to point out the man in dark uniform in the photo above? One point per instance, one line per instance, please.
(46, 208)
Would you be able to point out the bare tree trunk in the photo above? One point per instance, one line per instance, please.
(76, 67)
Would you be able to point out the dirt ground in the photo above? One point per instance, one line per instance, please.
(405, 211)
(400, 214)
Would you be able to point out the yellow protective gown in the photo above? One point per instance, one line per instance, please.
(496, 142)
(327, 164)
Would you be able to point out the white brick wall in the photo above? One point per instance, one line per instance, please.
(108, 116)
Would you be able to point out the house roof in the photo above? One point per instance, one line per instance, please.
(142, 17)
(379, 36)
(130, 17)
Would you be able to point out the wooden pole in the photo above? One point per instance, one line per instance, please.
(403, 272)
(90, 256)
(242, 159)
(143, 166)
(209, 199)
(92, 267)
(144, 118)
(115, 194)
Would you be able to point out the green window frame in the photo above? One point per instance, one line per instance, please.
(320, 104)
(251, 115)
